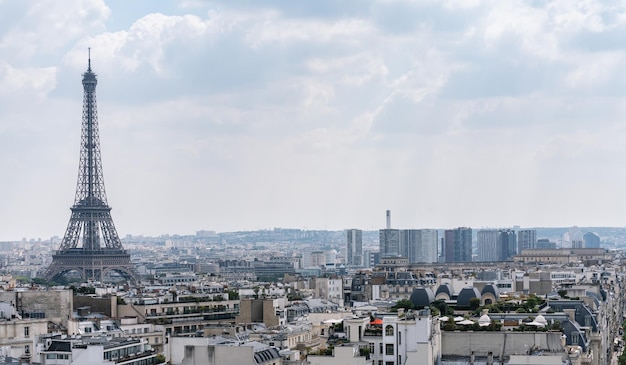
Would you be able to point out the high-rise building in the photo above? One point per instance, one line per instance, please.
(389, 242)
(508, 244)
(389, 239)
(487, 245)
(496, 244)
(419, 245)
(592, 240)
(354, 247)
(458, 245)
(526, 238)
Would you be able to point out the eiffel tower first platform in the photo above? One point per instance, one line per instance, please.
(91, 246)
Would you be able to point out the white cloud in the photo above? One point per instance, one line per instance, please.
(46, 27)
(27, 82)
(253, 115)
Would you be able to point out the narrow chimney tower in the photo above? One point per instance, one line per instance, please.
(388, 219)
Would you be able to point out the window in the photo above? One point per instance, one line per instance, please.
(399, 338)
(389, 330)
(389, 349)
(574, 338)
(26, 331)
(380, 348)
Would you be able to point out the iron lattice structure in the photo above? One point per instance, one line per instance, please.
(91, 245)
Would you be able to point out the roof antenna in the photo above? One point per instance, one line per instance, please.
(89, 56)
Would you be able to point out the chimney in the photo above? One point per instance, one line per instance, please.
(388, 219)
(571, 313)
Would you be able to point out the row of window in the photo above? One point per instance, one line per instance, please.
(389, 348)
(58, 356)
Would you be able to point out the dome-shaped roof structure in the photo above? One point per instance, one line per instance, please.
(422, 297)
(484, 320)
(541, 319)
(491, 289)
(445, 288)
(467, 293)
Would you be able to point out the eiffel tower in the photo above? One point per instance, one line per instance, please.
(91, 246)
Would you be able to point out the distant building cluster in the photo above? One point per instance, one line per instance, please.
(297, 297)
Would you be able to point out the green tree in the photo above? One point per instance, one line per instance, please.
(531, 303)
(403, 303)
(474, 303)
(443, 307)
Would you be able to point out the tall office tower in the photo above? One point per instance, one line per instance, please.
(487, 245)
(420, 245)
(508, 244)
(458, 245)
(354, 247)
(389, 239)
(409, 238)
(389, 242)
(91, 246)
(526, 238)
(496, 244)
(592, 240)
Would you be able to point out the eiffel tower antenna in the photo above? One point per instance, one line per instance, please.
(91, 246)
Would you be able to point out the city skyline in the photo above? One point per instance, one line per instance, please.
(247, 116)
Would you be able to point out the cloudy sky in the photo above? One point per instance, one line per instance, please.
(233, 115)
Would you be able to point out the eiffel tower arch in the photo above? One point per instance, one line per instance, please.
(91, 246)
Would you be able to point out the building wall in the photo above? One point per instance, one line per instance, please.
(218, 355)
(342, 355)
(564, 255)
(175, 348)
(97, 305)
(498, 343)
(56, 304)
(258, 310)
(18, 336)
